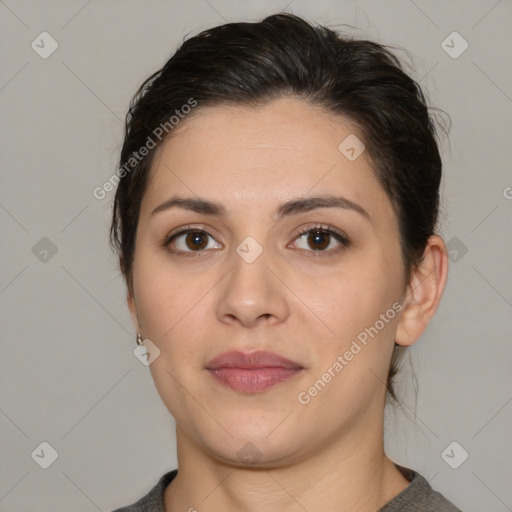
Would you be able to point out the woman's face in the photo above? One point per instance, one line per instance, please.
(265, 279)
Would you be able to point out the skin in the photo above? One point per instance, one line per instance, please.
(307, 309)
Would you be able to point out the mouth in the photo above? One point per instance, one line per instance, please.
(252, 372)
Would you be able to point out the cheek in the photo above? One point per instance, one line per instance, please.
(361, 307)
(164, 298)
(173, 308)
(170, 310)
(355, 299)
(351, 372)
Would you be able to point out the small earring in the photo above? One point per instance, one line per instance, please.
(139, 339)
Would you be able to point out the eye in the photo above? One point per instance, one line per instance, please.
(190, 240)
(315, 240)
(320, 239)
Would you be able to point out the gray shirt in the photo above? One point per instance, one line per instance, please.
(418, 496)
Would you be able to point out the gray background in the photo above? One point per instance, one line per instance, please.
(68, 373)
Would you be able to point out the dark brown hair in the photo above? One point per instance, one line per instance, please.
(249, 64)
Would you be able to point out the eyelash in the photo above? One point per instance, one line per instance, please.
(325, 229)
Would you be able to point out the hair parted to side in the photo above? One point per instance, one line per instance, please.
(249, 64)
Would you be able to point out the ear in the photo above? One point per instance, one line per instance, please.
(424, 292)
(130, 299)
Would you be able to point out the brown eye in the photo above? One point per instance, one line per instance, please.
(196, 241)
(190, 241)
(319, 239)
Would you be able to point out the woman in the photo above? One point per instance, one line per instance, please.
(275, 222)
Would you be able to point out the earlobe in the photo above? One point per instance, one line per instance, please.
(424, 292)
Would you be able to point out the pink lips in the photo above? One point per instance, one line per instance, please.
(252, 372)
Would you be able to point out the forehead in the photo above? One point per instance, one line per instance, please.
(258, 157)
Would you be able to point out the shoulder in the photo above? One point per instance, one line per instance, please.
(153, 501)
(418, 496)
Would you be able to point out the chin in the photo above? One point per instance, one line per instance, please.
(257, 453)
(248, 443)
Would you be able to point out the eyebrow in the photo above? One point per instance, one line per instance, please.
(292, 207)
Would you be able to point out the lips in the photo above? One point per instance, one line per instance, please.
(252, 372)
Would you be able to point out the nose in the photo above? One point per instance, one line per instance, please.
(252, 294)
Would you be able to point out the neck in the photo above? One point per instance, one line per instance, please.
(345, 475)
